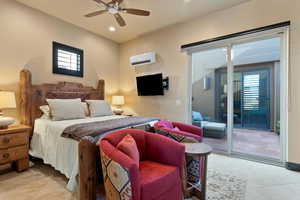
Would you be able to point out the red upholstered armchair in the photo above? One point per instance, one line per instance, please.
(184, 133)
(158, 174)
(179, 131)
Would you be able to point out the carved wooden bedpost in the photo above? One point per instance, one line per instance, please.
(88, 154)
(87, 170)
(25, 97)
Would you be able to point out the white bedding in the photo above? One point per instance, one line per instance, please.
(59, 152)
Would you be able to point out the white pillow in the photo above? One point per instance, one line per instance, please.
(46, 110)
(99, 108)
(65, 109)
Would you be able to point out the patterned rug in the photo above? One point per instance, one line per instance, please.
(221, 186)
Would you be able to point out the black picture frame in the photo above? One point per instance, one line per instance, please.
(57, 70)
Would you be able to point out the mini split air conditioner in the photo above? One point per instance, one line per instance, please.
(143, 59)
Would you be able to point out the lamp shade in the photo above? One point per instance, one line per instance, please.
(118, 100)
(7, 100)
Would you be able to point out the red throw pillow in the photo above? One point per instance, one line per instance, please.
(129, 147)
(176, 129)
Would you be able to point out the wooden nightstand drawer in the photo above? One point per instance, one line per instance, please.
(12, 140)
(13, 154)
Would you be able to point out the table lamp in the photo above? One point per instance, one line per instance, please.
(7, 101)
(118, 101)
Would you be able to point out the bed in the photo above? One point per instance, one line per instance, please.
(70, 157)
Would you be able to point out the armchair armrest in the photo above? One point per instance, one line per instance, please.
(165, 150)
(108, 151)
(189, 137)
(189, 128)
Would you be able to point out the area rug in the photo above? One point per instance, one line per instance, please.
(221, 186)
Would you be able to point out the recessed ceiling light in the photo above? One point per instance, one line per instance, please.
(112, 29)
(187, 1)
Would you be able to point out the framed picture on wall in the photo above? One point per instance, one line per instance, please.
(67, 60)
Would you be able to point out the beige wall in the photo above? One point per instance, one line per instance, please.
(26, 42)
(173, 63)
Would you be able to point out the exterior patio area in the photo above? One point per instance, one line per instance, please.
(254, 142)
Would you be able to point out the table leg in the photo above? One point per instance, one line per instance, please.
(203, 179)
(186, 191)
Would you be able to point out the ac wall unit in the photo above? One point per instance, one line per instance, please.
(143, 59)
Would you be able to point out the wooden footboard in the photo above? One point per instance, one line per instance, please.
(88, 153)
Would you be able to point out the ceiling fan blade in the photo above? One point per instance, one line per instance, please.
(101, 2)
(114, 1)
(93, 14)
(120, 19)
(136, 11)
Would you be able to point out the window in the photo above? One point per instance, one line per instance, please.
(67, 60)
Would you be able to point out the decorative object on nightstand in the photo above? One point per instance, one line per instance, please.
(118, 101)
(7, 101)
(14, 146)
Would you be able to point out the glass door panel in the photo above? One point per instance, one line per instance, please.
(209, 96)
(256, 98)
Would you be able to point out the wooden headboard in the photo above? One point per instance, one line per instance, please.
(34, 96)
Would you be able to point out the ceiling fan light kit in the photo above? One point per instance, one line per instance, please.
(114, 8)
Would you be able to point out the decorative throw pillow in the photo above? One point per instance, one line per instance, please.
(86, 109)
(197, 116)
(46, 111)
(65, 109)
(176, 129)
(99, 108)
(129, 147)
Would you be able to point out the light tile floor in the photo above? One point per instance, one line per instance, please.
(265, 182)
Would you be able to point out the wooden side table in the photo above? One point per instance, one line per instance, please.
(197, 154)
(14, 146)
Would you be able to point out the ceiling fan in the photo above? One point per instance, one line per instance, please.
(114, 8)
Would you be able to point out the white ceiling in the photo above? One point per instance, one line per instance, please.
(163, 13)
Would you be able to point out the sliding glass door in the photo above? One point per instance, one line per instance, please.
(236, 97)
(257, 101)
(209, 100)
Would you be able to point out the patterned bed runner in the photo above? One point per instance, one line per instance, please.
(95, 129)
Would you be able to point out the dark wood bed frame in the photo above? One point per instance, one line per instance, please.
(33, 96)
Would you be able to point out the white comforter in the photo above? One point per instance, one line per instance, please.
(59, 152)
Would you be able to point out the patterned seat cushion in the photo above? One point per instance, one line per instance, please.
(159, 178)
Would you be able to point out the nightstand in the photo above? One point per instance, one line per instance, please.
(14, 146)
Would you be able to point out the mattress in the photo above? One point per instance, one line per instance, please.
(59, 152)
